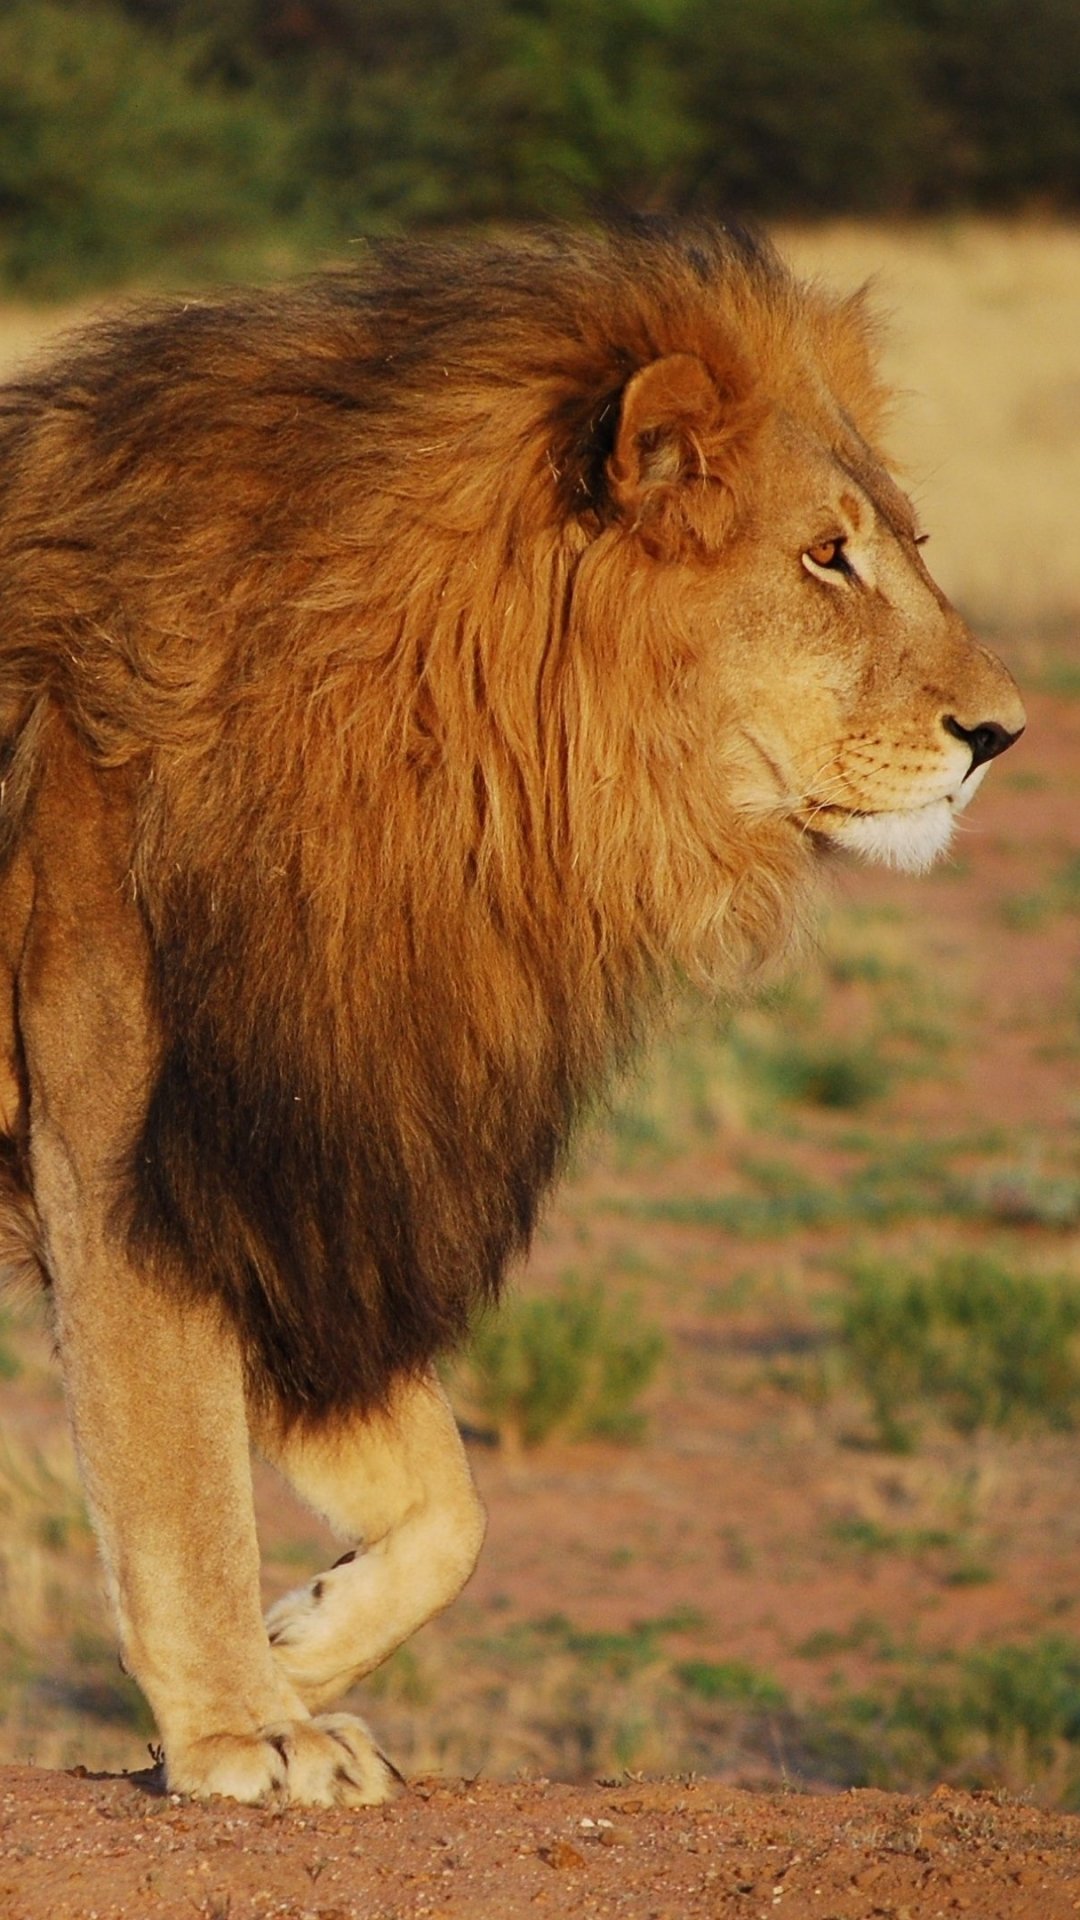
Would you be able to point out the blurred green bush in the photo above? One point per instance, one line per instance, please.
(190, 137)
(570, 1365)
(983, 1345)
(117, 154)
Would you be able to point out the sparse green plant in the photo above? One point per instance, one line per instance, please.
(1060, 676)
(1067, 882)
(968, 1572)
(620, 1654)
(825, 1073)
(911, 1179)
(98, 1689)
(1025, 1195)
(571, 1363)
(403, 1678)
(705, 1077)
(982, 1345)
(860, 947)
(1026, 780)
(849, 965)
(951, 1553)
(730, 1680)
(49, 1582)
(39, 1498)
(1025, 912)
(999, 1716)
(866, 1634)
(712, 1074)
(869, 1536)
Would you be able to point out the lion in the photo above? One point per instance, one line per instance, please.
(406, 676)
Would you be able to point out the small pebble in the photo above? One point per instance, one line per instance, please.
(616, 1836)
(562, 1854)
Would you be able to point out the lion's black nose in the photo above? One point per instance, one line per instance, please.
(985, 741)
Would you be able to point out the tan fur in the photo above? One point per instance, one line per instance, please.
(400, 680)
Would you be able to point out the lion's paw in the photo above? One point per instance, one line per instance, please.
(312, 1632)
(330, 1761)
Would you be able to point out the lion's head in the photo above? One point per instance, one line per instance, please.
(478, 636)
(841, 692)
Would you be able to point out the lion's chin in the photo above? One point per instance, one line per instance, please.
(910, 841)
(909, 838)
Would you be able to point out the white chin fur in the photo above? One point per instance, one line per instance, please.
(911, 841)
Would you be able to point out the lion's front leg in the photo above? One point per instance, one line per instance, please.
(153, 1375)
(157, 1407)
(396, 1485)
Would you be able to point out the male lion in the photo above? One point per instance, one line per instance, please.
(402, 677)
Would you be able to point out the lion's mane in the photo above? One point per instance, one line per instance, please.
(427, 802)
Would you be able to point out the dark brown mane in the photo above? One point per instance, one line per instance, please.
(424, 799)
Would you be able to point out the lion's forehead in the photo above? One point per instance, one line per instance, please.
(873, 497)
(821, 461)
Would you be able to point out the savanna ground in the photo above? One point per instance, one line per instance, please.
(838, 1237)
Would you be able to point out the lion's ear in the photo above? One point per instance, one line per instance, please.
(673, 425)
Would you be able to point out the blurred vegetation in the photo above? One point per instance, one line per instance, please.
(983, 1344)
(143, 138)
(571, 1365)
(1005, 1716)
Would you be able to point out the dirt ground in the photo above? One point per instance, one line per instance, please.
(99, 1847)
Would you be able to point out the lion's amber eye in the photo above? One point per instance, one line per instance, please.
(827, 553)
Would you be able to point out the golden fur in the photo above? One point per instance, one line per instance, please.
(403, 678)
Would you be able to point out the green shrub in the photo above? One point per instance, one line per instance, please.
(117, 157)
(1025, 1196)
(199, 136)
(570, 1363)
(824, 1073)
(774, 105)
(999, 83)
(1007, 1715)
(981, 1345)
(730, 1681)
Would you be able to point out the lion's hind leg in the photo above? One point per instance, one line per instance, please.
(397, 1486)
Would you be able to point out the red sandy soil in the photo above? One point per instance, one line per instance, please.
(80, 1847)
